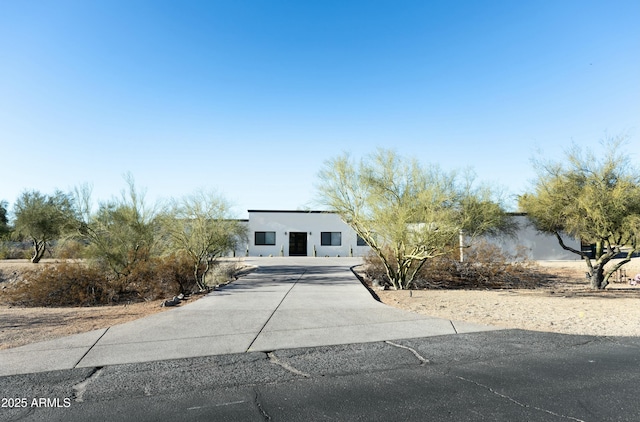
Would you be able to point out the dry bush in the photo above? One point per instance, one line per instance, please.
(89, 284)
(485, 266)
(15, 250)
(160, 277)
(64, 284)
(69, 249)
(374, 271)
(223, 272)
(5, 252)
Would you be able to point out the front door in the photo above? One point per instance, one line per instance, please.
(297, 244)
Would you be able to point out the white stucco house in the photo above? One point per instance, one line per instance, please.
(537, 246)
(323, 233)
(301, 233)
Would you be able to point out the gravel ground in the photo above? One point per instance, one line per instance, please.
(567, 306)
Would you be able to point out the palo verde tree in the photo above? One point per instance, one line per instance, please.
(123, 231)
(43, 218)
(593, 198)
(201, 225)
(405, 212)
(480, 210)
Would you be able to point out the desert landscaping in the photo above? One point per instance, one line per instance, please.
(24, 325)
(565, 305)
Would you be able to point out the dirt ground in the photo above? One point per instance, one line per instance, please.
(567, 306)
(20, 326)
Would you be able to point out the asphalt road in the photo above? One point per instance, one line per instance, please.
(509, 375)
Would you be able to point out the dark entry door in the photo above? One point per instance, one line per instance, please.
(297, 244)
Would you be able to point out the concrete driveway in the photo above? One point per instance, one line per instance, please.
(286, 303)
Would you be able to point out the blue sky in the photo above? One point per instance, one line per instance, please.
(250, 97)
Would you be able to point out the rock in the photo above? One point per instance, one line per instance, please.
(376, 285)
(173, 302)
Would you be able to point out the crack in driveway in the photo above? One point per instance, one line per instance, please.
(511, 399)
(274, 359)
(257, 402)
(81, 387)
(422, 359)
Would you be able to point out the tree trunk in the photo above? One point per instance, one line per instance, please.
(391, 274)
(203, 276)
(596, 278)
(196, 276)
(599, 250)
(38, 251)
(402, 275)
(36, 257)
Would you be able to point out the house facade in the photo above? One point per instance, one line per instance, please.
(535, 245)
(323, 233)
(301, 233)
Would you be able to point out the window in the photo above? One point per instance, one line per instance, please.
(331, 238)
(360, 241)
(265, 238)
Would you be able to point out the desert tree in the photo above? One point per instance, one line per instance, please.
(202, 226)
(407, 213)
(5, 229)
(595, 198)
(123, 231)
(83, 201)
(43, 218)
(481, 210)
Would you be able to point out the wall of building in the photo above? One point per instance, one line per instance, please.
(535, 245)
(313, 223)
